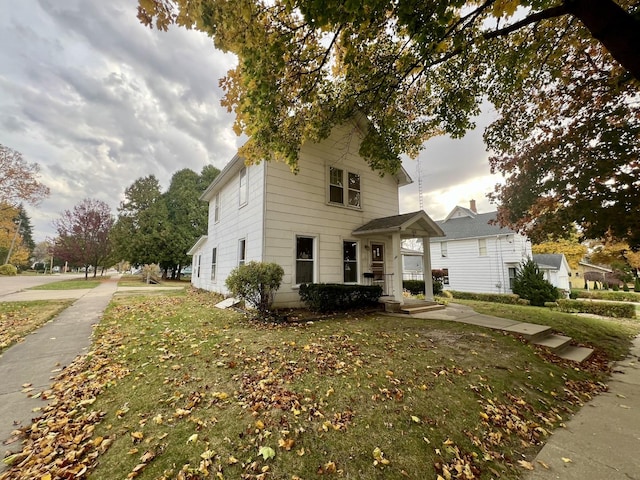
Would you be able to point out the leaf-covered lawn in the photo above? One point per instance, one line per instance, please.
(18, 319)
(175, 388)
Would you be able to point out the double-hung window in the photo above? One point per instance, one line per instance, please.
(305, 261)
(482, 247)
(350, 261)
(244, 187)
(216, 208)
(444, 251)
(214, 263)
(242, 251)
(344, 188)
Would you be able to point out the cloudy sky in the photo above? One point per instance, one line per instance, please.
(98, 100)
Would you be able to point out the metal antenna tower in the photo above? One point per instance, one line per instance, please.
(420, 200)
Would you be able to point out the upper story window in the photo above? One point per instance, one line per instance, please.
(344, 187)
(482, 247)
(244, 187)
(216, 208)
(444, 252)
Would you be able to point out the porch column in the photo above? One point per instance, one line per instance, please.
(426, 269)
(396, 252)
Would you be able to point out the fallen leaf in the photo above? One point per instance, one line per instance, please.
(525, 464)
(566, 460)
(267, 452)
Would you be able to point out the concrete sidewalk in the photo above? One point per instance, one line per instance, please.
(47, 350)
(602, 441)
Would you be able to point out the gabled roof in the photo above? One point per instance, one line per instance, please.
(196, 246)
(472, 226)
(595, 267)
(414, 224)
(551, 261)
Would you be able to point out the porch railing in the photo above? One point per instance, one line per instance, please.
(385, 280)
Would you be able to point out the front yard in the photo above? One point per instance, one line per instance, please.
(174, 388)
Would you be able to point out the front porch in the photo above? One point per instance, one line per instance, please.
(382, 238)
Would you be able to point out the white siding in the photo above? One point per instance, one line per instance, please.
(470, 272)
(298, 205)
(236, 222)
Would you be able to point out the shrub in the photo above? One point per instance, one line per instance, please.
(606, 309)
(636, 285)
(529, 283)
(416, 287)
(611, 296)
(8, 269)
(328, 297)
(509, 298)
(149, 272)
(616, 287)
(256, 283)
(625, 287)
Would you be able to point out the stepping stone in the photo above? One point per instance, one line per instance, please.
(575, 354)
(553, 342)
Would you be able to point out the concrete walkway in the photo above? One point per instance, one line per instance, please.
(602, 441)
(46, 351)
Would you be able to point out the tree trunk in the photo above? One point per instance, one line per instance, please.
(617, 30)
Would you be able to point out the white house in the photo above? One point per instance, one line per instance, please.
(335, 221)
(477, 255)
(555, 268)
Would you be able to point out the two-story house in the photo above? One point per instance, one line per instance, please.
(476, 254)
(335, 221)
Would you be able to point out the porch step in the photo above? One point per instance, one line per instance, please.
(555, 343)
(530, 331)
(412, 308)
(575, 354)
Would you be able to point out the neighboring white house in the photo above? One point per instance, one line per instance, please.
(555, 268)
(412, 264)
(477, 255)
(335, 221)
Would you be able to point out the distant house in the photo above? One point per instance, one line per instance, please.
(335, 221)
(596, 270)
(555, 268)
(412, 264)
(476, 254)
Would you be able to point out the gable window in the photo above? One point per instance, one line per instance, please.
(482, 247)
(244, 187)
(242, 251)
(339, 180)
(304, 259)
(350, 261)
(444, 252)
(216, 208)
(214, 260)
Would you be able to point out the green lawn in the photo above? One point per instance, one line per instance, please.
(175, 388)
(18, 319)
(71, 284)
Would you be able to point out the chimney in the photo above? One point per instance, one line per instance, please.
(472, 206)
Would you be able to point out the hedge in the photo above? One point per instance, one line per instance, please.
(604, 295)
(509, 298)
(606, 309)
(416, 287)
(330, 297)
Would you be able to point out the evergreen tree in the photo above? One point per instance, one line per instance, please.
(531, 285)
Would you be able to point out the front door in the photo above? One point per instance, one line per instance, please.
(377, 261)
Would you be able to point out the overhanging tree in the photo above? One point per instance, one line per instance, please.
(83, 234)
(419, 69)
(19, 179)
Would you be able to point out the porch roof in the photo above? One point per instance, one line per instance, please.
(410, 225)
(196, 246)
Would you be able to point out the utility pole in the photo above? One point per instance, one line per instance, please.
(13, 242)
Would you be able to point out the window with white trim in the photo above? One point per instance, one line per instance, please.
(214, 261)
(305, 261)
(216, 208)
(482, 247)
(244, 187)
(341, 180)
(242, 251)
(350, 261)
(198, 260)
(444, 251)
(512, 276)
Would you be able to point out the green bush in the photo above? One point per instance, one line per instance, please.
(606, 309)
(509, 298)
(331, 297)
(256, 283)
(416, 287)
(8, 269)
(616, 287)
(625, 287)
(611, 296)
(636, 285)
(529, 283)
